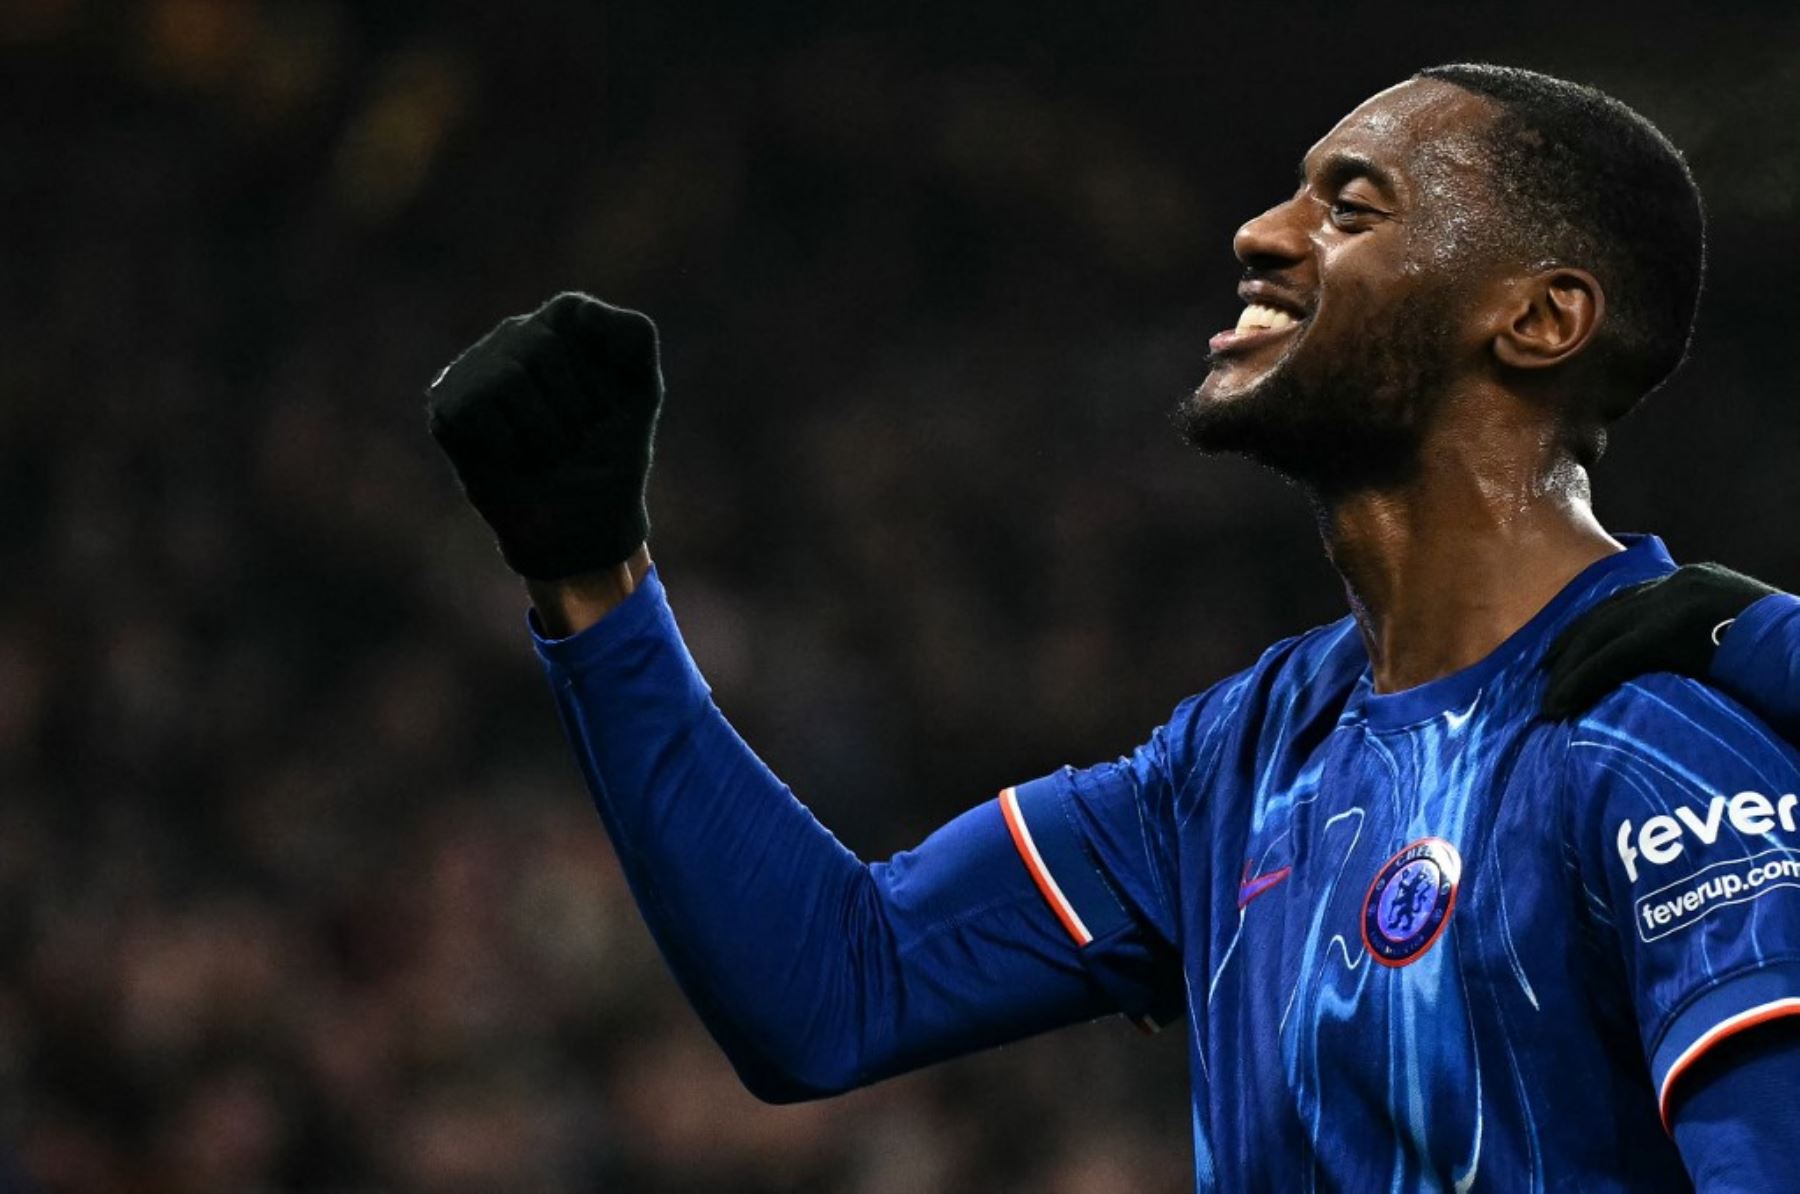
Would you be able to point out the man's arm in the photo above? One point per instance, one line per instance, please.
(1758, 662)
(1716, 983)
(814, 970)
(1734, 1116)
(1702, 621)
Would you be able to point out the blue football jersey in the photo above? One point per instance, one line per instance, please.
(1430, 939)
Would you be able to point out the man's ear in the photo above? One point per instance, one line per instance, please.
(1548, 318)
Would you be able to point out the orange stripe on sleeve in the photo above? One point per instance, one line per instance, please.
(1040, 874)
(1728, 1027)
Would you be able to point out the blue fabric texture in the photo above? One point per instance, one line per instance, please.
(1758, 662)
(815, 971)
(1488, 929)
(1420, 940)
(1735, 1118)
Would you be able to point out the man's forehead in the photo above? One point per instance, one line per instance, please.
(1397, 129)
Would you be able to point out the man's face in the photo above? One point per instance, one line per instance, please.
(1357, 295)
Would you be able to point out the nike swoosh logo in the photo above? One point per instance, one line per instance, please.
(1249, 889)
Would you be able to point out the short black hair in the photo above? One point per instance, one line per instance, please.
(1583, 180)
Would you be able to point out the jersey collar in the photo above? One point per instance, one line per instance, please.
(1644, 558)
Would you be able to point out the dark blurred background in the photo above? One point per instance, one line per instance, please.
(298, 884)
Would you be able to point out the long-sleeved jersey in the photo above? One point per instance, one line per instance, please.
(1425, 939)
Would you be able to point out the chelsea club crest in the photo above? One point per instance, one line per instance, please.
(1410, 901)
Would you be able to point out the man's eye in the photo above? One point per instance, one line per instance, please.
(1343, 210)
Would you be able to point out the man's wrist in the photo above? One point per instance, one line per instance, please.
(569, 606)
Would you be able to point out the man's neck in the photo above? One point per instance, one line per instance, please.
(1442, 569)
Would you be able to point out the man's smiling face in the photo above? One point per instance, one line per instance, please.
(1357, 298)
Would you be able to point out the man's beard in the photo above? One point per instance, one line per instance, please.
(1361, 426)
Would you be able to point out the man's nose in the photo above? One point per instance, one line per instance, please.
(1273, 240)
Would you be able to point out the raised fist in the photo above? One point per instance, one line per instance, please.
(549, 420)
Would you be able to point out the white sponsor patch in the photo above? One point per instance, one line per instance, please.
(1660, 840)
(1690, 900)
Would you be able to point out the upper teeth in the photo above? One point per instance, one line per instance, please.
(1258, 316)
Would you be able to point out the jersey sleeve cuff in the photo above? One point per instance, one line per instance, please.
(644, 611)
(1739, 1003)
(1059, 864)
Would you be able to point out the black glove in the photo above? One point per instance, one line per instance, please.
(548, 420)
(1673, 624)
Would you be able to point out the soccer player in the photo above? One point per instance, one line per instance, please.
(1419, 934)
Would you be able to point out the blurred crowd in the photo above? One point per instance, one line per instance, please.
(298, 885)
